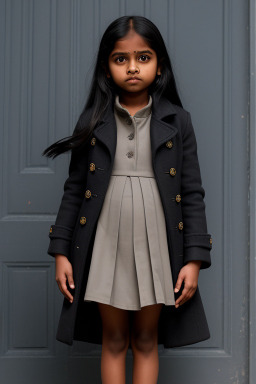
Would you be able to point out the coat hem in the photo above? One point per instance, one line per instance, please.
(166, 345)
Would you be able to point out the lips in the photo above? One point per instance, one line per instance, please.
(133, 78)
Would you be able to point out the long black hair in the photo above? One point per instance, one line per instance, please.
(103, 89)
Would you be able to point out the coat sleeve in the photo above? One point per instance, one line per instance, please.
(197, 241)
(61, 232)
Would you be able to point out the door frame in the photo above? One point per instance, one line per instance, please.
(252, 193)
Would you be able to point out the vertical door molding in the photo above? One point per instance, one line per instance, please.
(252, 196)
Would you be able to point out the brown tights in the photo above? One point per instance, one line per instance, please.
(115, 344)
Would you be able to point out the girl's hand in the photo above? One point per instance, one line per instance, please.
(189, 273)
(64, 271)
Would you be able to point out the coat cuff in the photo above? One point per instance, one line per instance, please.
(197, 247)
(60, 238)
(59, 246)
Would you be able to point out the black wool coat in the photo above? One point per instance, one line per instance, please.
(177, 173)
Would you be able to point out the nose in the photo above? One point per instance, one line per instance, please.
(132, 67)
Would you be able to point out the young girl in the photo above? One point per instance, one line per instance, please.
(131, 236)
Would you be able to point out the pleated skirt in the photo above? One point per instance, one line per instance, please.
(130, 264)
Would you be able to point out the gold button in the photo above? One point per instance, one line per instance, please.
(93, 141)
(51, 230)
(211, 241)
(180, 226)
(88, 194)
(169, 144)
(178, 198)
(82, 220)
(92, 167)
(172, 171)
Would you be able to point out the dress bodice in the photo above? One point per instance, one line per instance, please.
(132, 156)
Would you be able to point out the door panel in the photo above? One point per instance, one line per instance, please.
(49, 48)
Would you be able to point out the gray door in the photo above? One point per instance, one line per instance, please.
(47, 51)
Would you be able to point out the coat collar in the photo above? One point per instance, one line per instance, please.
(160, 131)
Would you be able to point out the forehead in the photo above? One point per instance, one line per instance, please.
(131, 42)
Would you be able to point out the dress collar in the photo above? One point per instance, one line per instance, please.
(144, 112)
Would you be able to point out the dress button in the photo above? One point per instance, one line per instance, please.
(131, 136)
(93, 141)
(82, 220)
(178, 198)
(50, 230)
(88, 194)
(169, 144)
(172, 171)
(129, 154)
(129, 121)
(211, 241)
(92, 167)
(180, 226)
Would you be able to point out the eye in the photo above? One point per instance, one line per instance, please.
(145, 56)
(119, 57)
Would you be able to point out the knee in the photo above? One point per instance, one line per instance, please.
(144, 342)
(116, 342)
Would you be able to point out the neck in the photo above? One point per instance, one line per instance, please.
(134, 100)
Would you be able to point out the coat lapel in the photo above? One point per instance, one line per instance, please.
(160, 131)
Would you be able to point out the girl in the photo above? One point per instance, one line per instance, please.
(130, 236)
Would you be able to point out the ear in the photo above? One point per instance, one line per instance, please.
(159, 68)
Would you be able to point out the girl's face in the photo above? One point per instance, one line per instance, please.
(133, 57)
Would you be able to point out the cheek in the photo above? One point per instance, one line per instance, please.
(115, 71)
(151, 73)
(116, 75)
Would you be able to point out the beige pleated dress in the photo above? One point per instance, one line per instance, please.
(130, 265)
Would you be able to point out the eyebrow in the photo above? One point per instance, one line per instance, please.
(128, 53)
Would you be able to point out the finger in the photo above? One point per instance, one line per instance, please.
(189, 295)
(60, 287)
(71, 280)
(179, 282)
(65, 290)
(185, 298)
(185, 293)
(182, 296)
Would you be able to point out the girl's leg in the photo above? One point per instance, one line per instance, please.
(115, 343)
(144, 343)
